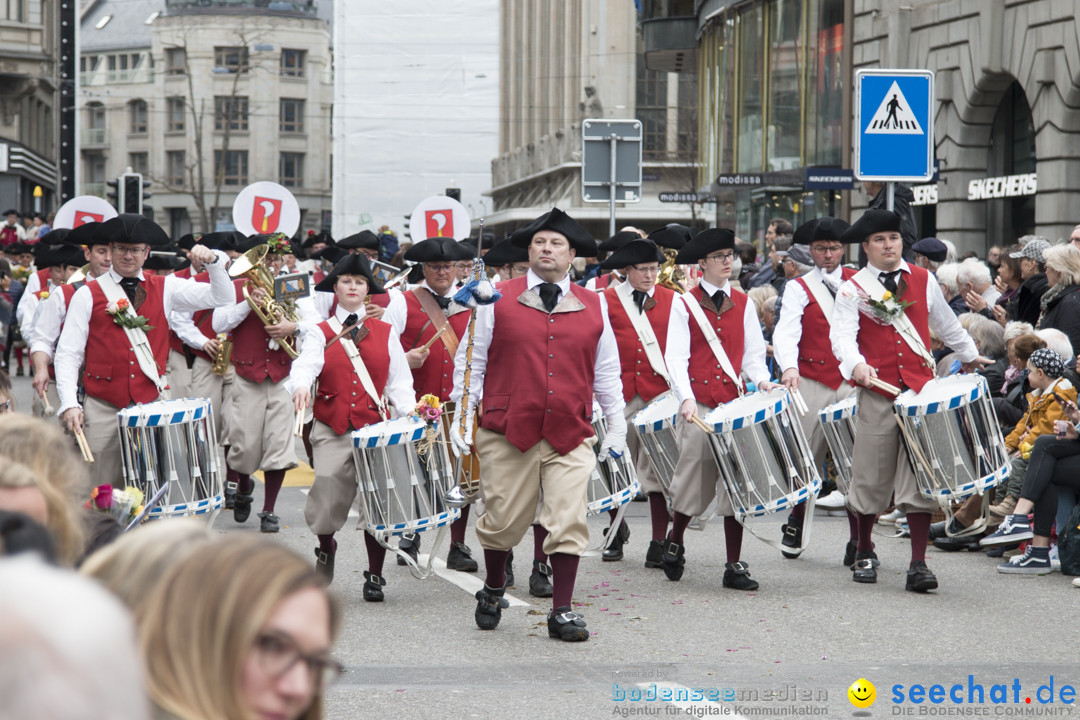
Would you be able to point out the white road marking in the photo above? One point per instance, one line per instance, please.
(469, 582)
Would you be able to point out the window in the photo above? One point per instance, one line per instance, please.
(232, 59)
(11, 10)
(292, 62)
(652, 110)
(95, 115)
(139, 162)
(232, 166)
(291, 169)
(138, 112)
(292, 116)
(231, 111)
(175, 172)
(175, 61)
(174, 110)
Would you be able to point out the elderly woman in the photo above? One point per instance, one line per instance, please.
(1007, 282)
(1061, 303)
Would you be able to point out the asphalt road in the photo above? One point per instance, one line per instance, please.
(790, 649)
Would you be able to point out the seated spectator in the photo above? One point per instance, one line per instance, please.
(947, 279)
(1007, 282)
(1045, 371)
(240, 628)
(929, 253)
(747, 254)
(979, 293)
(1012, 406)
(1059, 343)
(989, 338)
(1061, 302)
(1026, 305)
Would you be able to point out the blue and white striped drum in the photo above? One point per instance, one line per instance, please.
(402, 478)
(655, 425)
(838, 424)
(613, 482)
(952, 437)
(170, 446)
(764, 459)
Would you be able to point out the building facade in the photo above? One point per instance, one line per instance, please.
(204, 98)
(562, 62)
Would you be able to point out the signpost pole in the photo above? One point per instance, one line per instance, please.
(611, 201)
(890, 196)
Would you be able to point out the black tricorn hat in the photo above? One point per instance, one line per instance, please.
(85, 234)
(619, 239)
(161, 262)
(872, 221)
(438, 249)
(822, 228)
(351, 264)
(363, 240)
(54, 237)
(131, 229)
(330, 253)
(315, 237)
(705, 242)
(673, 236)
(187, 241)
(632, 253)
(225, 240)
(505, 253)
(67, 255)
(557, 221)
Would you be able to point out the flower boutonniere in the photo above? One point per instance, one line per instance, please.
(883, 311)
(120, 316)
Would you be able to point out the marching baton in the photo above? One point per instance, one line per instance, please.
(427, 346)
(882, 385)
(298, 426)
(701, 424)
(83, 445)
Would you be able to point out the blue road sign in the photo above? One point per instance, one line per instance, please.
(894, 125)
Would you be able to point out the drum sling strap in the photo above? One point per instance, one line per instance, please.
(821, 294)
(140, 344)
(361, 370)
(436, 317)
(644, 331)
(714, 342)
(866, 279)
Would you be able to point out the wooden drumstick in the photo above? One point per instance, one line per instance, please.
(701, 423)
(84, 446)
(882, 385)
(914, 446)
(426, 346)
(798, 402)
(298, 426)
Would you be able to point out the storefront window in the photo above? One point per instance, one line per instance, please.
(1012, 152)
(751, 88)
(825, 101)
(785, 84)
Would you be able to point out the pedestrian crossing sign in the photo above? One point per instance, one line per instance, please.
(894, 125)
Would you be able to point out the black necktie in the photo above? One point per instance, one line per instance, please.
(830, 286)
(888, 279)
(639, 299)
(718, 299)
(444, 302)
(349, 322)
(130, 285)
(549, 294)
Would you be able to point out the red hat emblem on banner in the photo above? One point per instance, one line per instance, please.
(440, 223)
(265, 214)
(83, 218)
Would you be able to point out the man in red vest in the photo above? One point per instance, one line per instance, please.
(540, 354)
(124, 368)
(638, 311)
(341, 407)
(702, 380)
(426, 310)
(803, 352)
(896, 351)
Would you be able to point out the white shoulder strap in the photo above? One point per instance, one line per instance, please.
(866, 279)
(140, 344)
(710, 336)
(644, 331)
(359, 367)
(821, 294)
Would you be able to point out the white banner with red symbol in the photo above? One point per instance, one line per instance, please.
(82, 210)
(439, 216)
(266, 207)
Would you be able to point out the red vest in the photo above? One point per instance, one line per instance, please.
(340, 400)
(816, 359)
(602, 281)
(711, 385)
(884, 348)
(540, 369)
(112, 372)
(638, 376)
(251, 353)
(69, 292)
(436, 375)
(380, 299)
(43, 278)
(185, 274)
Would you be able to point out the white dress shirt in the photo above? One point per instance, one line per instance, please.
(49, 323)
(677, 355)
(845, 326)
(788, 331)
(179, 295)
(33, 283)
(306, 368)
(607, 380)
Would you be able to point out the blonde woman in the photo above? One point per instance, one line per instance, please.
(57, 474)
(239, 629)
(1061, 303)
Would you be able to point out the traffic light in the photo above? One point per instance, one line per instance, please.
(144, 210)
(454, 193)
(131, 202)
(116, 192)
(407, 233)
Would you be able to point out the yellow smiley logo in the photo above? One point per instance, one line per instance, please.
(862, 693)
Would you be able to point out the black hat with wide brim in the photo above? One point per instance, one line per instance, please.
(619, 239)
(68, 255)
(85, 234)
(330, 253)
(872, 221)
(54, 237)
(130, 229)
(506, 253)
(822, 228)
(363, 240)
(557, 221)
(317, 237)
(161, 262)
(351, 264)
(673, 236)
(705, 242)
(632, 253)
(438, 249)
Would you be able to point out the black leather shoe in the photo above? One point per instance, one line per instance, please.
(540, 580)
(242, 507)
(373, 586)
(792, 537)
(920, 579)
(952, 544)
(509, 570)
(460, 558)
(614, 550)
(410, 545)
(937, 530)
(566, 625)
(269, 522)
(324, 563)
(230, 495)
(489, 606)
(673, 560)
(864, 570)
(849, 555)
(737, 576)
(655, 554)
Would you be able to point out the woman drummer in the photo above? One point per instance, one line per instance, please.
(349, 397)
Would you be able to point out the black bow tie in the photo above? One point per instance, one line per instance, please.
(350, 322)
(444, 302)
(549, 294)
(888, 279)
(718, 299)
(130, 285)
(639, 299)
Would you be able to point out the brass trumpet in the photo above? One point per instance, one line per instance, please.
(251, 266)
(223, 356)
(670, 274)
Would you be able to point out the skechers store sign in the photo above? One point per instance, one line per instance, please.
(1002, 187)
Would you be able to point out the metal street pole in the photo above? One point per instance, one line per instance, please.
(611, 200)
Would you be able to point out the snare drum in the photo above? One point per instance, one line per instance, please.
(952, 437)
(655, 425)
(402, 491)
(613, 482)
(765, 462)
(173, 443)
(838, 424)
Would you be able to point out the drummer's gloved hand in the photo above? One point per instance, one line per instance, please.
(614, 444)
(458, 442)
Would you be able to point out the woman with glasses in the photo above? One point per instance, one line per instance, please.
(241, 628)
